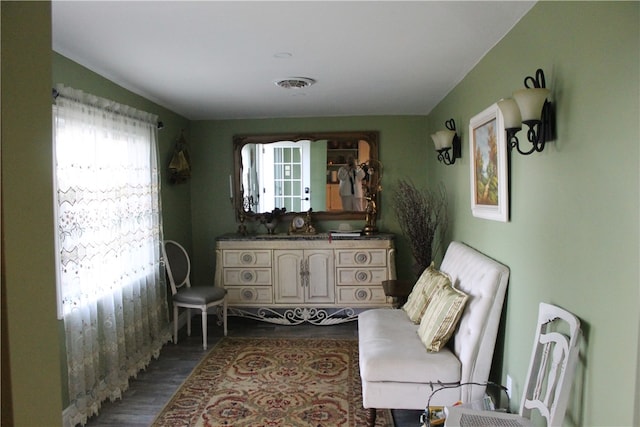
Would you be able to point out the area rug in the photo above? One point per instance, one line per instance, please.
(267, 382)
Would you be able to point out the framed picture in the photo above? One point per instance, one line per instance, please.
(489, 174)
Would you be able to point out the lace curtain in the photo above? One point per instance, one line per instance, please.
(112, 290)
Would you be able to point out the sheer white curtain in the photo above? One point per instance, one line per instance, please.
(112, 291)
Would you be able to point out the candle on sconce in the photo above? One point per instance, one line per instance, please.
(230, 187)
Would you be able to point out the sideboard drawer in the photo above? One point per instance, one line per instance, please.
(361, 257)
(247, 276)
(249, 295)
(360, 276)
(246, 258)
(361, 295)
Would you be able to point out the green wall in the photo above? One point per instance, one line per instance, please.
(573, 235)
(28, 275)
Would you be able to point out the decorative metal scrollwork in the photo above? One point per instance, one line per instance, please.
(304, 272)
(297, 315)
(247, 276)
(247, 258)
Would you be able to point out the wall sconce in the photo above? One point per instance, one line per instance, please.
(529, 106)
(445, 140)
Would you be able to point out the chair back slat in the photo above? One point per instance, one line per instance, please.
(552, 366)
(177, 264)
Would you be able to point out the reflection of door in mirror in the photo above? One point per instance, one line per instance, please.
(281, 176)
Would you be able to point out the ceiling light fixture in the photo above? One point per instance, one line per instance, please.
(294, 82)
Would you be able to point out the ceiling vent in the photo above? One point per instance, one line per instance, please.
(294, 82)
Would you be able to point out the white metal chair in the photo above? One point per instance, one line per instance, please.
(551, 371)
(178, 268)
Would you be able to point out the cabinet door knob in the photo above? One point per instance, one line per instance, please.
(361, 258)
(362, 276)
(362, 294)
(247, 276)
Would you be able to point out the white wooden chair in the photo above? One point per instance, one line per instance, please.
(178, 268)
(551, 371)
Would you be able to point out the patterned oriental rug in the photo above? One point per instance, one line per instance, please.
(260, 382)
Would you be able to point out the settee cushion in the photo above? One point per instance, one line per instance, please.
(391, 351)
(441, 317)
(427, 285)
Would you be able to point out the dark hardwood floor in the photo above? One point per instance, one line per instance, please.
(152, 389)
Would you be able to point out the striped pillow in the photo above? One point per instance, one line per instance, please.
(429, 282)
(441, 317)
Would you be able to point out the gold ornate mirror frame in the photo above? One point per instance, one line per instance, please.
(336, 139)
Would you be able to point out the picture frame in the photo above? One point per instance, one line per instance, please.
(489, 171)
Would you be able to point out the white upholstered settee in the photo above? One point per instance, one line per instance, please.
(396, 370)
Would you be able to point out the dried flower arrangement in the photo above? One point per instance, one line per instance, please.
(422, 215)
(270, 219)
(274, 214)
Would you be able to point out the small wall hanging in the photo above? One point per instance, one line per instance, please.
(179, 166)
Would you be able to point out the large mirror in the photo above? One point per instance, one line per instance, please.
(303, 171)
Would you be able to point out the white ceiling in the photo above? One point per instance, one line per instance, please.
(218, 59)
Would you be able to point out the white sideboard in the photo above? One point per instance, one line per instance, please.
(299, 278)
